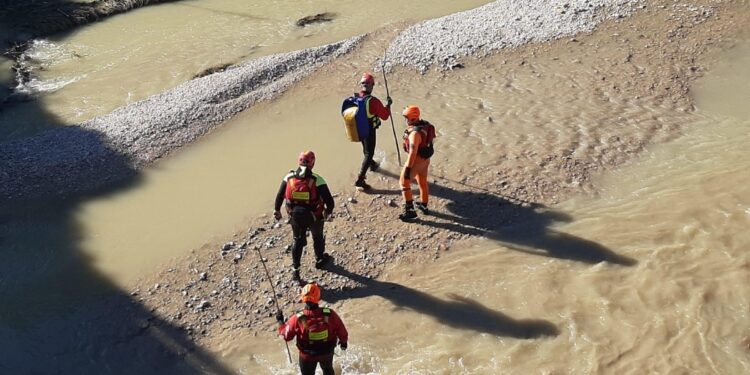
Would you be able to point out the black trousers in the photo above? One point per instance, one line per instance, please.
(308, 367)
(368, 149)
(301, 221)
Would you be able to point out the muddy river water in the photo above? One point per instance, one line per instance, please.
(678, 214)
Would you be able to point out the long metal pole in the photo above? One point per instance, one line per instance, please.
(288, 353)
(393, 126)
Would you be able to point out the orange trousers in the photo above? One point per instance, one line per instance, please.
(418, 172)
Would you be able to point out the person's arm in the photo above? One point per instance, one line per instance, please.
(280, 196)
(378, 109)
(415, 139)
(339, 329)
(324, 193)
(288, 330)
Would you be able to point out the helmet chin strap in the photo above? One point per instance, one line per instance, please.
(302, 171)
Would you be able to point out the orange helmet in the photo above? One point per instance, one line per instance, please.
(367, 78)
(307, 159)
(411, 113)
(311, 293)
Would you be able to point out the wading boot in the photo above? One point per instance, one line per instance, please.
(362, 185)
(422, 207)
(409, 213)
(323, 261)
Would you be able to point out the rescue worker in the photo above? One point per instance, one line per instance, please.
(375, 113)
(418, 138)
(308, 204)
(317, 331)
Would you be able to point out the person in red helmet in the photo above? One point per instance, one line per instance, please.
(317, 331)
(375, 113)
(308, 203)
(418, 144)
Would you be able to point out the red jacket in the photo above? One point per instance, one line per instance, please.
(376, 107)
(322, 343)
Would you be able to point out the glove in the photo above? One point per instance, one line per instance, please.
(277, 215)
(280, 317)
(407, 173)
(343, 345)
(388, 101)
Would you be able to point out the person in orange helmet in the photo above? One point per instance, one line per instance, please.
(375, 113)
(317, 331)
(309, 204)
(418, 144)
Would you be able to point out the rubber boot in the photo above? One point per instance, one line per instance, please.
(361, 184)
(408, 213)
(323, 261)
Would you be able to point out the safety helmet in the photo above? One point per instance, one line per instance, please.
(411, 113)
(311, 293)
(367, 78)
(307, 159)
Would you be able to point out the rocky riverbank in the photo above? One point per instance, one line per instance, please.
(109, 149)
(221, 288)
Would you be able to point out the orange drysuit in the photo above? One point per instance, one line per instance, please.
(418, 166)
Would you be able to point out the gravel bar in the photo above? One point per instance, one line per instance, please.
(111, 148)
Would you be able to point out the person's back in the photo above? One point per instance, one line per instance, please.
(418, 139)
(309, 204)
(317, 331)
(376, 112)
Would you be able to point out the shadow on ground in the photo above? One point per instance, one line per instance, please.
(457, 312)
(526, 228)
(58, 314)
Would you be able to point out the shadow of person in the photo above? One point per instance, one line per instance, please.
(59, 314)
(457, 311)
(524, 228)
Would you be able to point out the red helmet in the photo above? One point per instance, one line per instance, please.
(411, 113)
(307, 159)
(368, 79)
(311, 293)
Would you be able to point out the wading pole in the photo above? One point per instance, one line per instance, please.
(289, 354)
(387, 93)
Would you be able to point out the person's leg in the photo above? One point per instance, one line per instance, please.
(421, 177)
(307, 367)
(327, 366)
(409, 212)
(299, 232)
(368, 150)
(405, 187)
(319, 240)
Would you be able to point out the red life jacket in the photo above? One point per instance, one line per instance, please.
(316, 338)
(303, 192)
(425, 149)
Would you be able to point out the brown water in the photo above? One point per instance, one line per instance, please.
(680, 212)
(126, 58)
